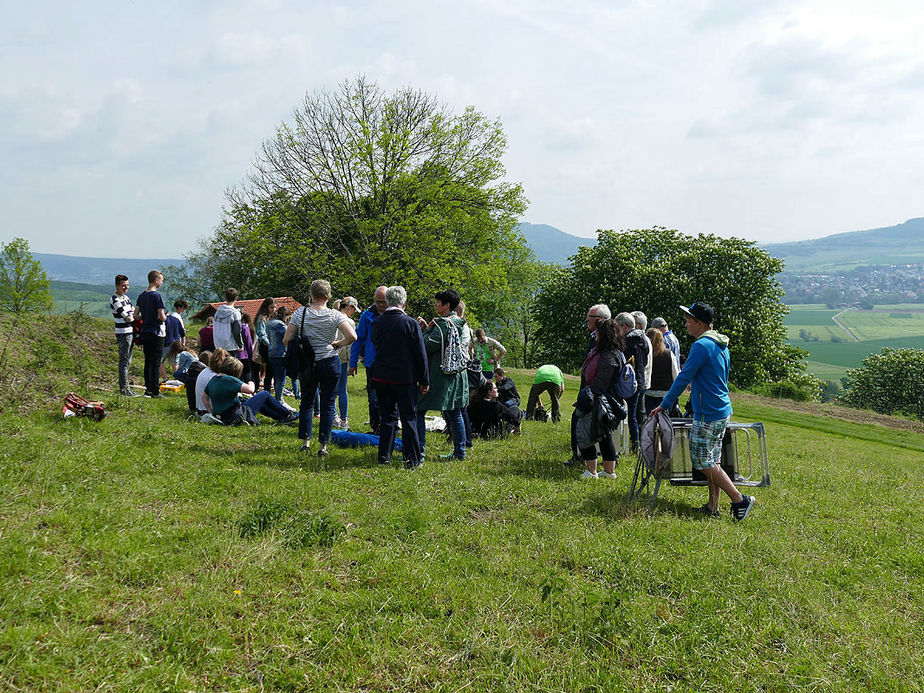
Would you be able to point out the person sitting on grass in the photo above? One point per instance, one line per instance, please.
(191, 377)
(221, 398)
(490, 418)
(180, 357)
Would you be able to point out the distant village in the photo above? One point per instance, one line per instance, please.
(863, 287)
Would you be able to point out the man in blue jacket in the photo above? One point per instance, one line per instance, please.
(400, 369)
(706, 371)
(365, 349)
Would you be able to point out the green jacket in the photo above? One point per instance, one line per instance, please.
(446, 391)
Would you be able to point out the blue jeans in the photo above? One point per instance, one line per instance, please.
(126, 345)
(324, 376)
(343, 399)
(264, 403)
(277, 365)
(453, 418)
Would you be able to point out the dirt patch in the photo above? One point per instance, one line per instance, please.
(833, 411)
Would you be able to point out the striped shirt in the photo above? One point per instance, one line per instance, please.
(123, 312)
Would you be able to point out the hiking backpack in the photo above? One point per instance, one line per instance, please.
(626, 384)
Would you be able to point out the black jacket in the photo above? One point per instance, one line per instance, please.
(400, 356)
(507, 390)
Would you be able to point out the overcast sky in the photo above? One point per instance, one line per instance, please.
(122, 124)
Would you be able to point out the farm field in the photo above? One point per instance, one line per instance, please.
(205, 558)
(898, 326)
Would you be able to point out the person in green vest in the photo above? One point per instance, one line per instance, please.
(549, 379)
(489, 351)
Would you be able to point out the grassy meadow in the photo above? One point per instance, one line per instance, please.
(896, 326)
(149, 552)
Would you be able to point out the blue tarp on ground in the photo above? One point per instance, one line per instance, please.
(349, 439)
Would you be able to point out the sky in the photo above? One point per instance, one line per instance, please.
(123, 124)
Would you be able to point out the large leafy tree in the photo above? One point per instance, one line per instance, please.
(23, 282)
(656, 270)
(366, 188)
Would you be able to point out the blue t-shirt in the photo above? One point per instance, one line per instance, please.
(149, 302)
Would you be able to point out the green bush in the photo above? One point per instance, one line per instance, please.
(890, 382)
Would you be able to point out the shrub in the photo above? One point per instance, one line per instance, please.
(890, 382)
(801, 387)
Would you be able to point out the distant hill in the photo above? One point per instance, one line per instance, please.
(99, 270)
(551, 244)
(902, 244)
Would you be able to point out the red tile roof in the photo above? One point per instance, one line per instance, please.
(250, 306)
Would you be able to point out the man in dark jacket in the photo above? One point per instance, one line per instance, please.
(364, 349)
(400, 369)
(636, 351)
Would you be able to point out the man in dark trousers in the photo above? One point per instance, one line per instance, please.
(364, 349)
(151, 306)
(400, 369)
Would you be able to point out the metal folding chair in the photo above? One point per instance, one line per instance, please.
(679, 469)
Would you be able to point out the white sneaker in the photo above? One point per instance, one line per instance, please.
(305, 446)
(345, 424)
(337, 423)
(589, 475)
(607, 475)
(211, 419)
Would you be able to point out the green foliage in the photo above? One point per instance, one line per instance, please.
(23, 283)
(890, 382)
(38, 365)
(510, 313)
(802, 387)
(366, 188)
(655, 270)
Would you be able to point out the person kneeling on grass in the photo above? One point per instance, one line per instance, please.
(491, 418)
(221, 398)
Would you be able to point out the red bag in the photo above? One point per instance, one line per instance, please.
(75, 405)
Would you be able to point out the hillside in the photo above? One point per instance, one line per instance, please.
(551, 244)
(99, 270)
(899, 245)
(151, 552)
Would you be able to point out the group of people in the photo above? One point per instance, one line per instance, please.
(414, 365)
(632, 373)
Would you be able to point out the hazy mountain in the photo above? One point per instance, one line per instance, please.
(551, 244)
(99, 270)
(902, 244)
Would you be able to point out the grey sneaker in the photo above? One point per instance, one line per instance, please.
(739, 511)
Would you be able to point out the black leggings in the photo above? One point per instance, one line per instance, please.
(607, 449)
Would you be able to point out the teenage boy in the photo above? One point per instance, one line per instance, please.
(124, 314)
(153, 331)
(706, 371)
(227, 325)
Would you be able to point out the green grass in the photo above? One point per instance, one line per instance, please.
(146, 552)
(810, 318)
(851, 354)
(888, 326)
(876, 325)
